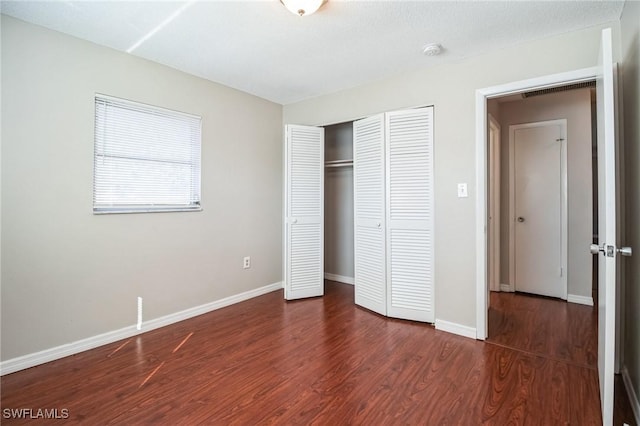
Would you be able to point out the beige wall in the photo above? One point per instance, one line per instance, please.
(630, 37)
(575, 107)
(69, 275)
(451, 89)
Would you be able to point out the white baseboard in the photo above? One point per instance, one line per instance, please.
(631, 393)
(583, 300)
(339, 278)
(37, 358)
(506, 287)
(460, 330)
(31, 360)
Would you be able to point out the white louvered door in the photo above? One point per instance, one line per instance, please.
(409, 196)
(304, 212)
(369, 217)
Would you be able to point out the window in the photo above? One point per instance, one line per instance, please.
(146, 159)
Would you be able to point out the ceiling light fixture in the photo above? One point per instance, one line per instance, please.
(303, 7)
(432, 49)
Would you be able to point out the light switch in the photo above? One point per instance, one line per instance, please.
(462, 190)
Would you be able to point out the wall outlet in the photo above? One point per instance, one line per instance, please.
(246, 262)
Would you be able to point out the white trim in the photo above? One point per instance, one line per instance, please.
(631, 393)
(459, 329)
(482, 302)
(582, 300)
(494, 204)
(47, 355)
(564, 219)
(339, 278)
(507, 288)
(482, 95)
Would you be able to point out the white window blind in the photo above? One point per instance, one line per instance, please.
(146, 159)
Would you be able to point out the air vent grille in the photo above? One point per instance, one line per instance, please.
(581, 85)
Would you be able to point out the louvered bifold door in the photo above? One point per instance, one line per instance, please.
(409, 136)
(369, 217)
(304, 212)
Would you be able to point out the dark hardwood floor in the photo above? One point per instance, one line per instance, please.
(318, 361)
(553, 329)
(546, 327)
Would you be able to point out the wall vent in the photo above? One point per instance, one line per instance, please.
(580, 85)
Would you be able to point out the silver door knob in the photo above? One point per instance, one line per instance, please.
(520, 219)
(294, 221)
(625, 251)
(379, 225)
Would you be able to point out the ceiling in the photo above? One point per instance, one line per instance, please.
(261, 48)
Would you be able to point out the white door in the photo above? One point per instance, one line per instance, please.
(369, 217)
(409, 198)
(538, 202)
(304, 212)
(606, 226)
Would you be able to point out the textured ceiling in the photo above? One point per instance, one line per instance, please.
(261, 48)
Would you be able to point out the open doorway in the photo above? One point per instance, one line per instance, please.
(544, 301)
(610, 285)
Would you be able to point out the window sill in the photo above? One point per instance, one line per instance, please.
(120, 210)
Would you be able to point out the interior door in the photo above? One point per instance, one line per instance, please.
(304, 212)
(606, 225)
(410, 230)
(539, 207)
(369, 216)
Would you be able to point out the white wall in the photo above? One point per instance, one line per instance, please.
(451, 89)
(575, 107)
(338, 202)
(68, 274)
(630, 37)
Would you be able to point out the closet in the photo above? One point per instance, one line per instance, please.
(338, 203)
(393, 212)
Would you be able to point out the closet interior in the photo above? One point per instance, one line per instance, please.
(338, 203)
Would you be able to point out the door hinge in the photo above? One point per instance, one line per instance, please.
(561, 271)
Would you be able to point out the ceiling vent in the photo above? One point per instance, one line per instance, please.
(581, 85)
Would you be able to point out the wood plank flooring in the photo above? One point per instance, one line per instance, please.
(318, 361)
(554, 329)
(545, 326)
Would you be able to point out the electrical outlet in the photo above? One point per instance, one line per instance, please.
(246, 262)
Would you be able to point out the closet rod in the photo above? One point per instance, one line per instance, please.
(339, 163)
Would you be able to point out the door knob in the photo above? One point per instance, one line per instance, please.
(520, 219)
(379, 225)
(595, 249)
(625, 251)
(294, 221)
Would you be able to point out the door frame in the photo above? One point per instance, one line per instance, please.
(493, 242)
(564, 221)
(482, 95)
